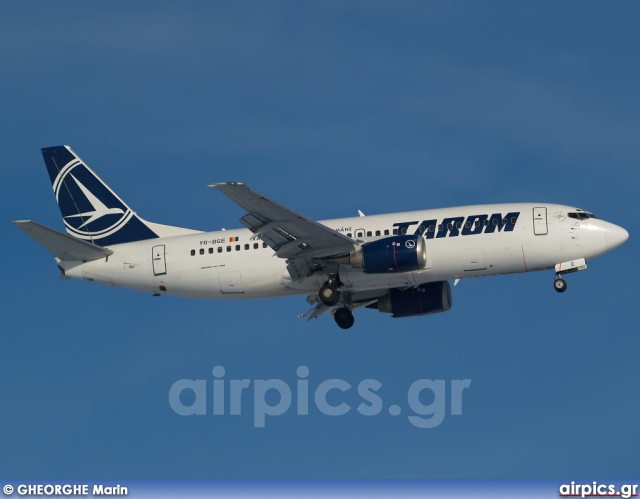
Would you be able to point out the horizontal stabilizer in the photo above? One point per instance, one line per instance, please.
(63, 246)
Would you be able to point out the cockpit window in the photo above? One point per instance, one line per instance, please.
(581, 215)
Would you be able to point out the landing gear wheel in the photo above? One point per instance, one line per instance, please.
(329, 294)
(344, 318)
(560, 285)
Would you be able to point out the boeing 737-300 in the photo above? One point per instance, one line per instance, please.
(398, 263)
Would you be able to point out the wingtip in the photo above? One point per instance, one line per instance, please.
(220, 184)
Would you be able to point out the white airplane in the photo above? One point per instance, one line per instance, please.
(399, 263)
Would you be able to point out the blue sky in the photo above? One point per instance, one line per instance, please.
(327, 107)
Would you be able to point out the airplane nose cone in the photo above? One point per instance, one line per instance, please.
(614, 235)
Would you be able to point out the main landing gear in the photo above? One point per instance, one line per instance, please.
(344, 318)
(329, 291)
(559, 284)
(330, 296)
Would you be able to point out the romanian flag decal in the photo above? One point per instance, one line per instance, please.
(233, 239)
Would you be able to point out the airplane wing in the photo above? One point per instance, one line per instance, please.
(298, 239)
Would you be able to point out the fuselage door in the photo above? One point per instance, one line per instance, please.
(159, 260)
(231, 282)
(473, 259)
(540, 227)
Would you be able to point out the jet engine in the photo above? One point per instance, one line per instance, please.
(430, 298)
(391, 254)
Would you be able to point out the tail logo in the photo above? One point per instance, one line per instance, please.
(99, 208)
(90, 210)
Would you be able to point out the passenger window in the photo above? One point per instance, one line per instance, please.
(246, 246)
(404, 230)
(421, 229)
(459, 225)
(210, 251)
(369, 233)
(395, 232)
(495, 221)
(513, 220)
(228, 248)
(237, 247)
(377, 233)
(256, 245)
(439, 226)
(350, 235)
(264, 245)
(219, 249)
(486, 223)
(193, 252)
(432, 228)
(476, 223)
(386, 232)
(202, 251)
(467, 225)
(449, 226)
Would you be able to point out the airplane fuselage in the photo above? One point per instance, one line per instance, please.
(461, 242)
(397, 263)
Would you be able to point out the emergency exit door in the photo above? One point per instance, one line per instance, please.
(540, 227)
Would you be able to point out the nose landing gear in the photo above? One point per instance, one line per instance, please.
(559, 284)
(569, 267)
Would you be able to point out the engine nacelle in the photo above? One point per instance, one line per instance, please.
(391, 254)
(431, 298)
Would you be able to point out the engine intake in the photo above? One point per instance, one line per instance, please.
(391, 254)
(430, 298)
